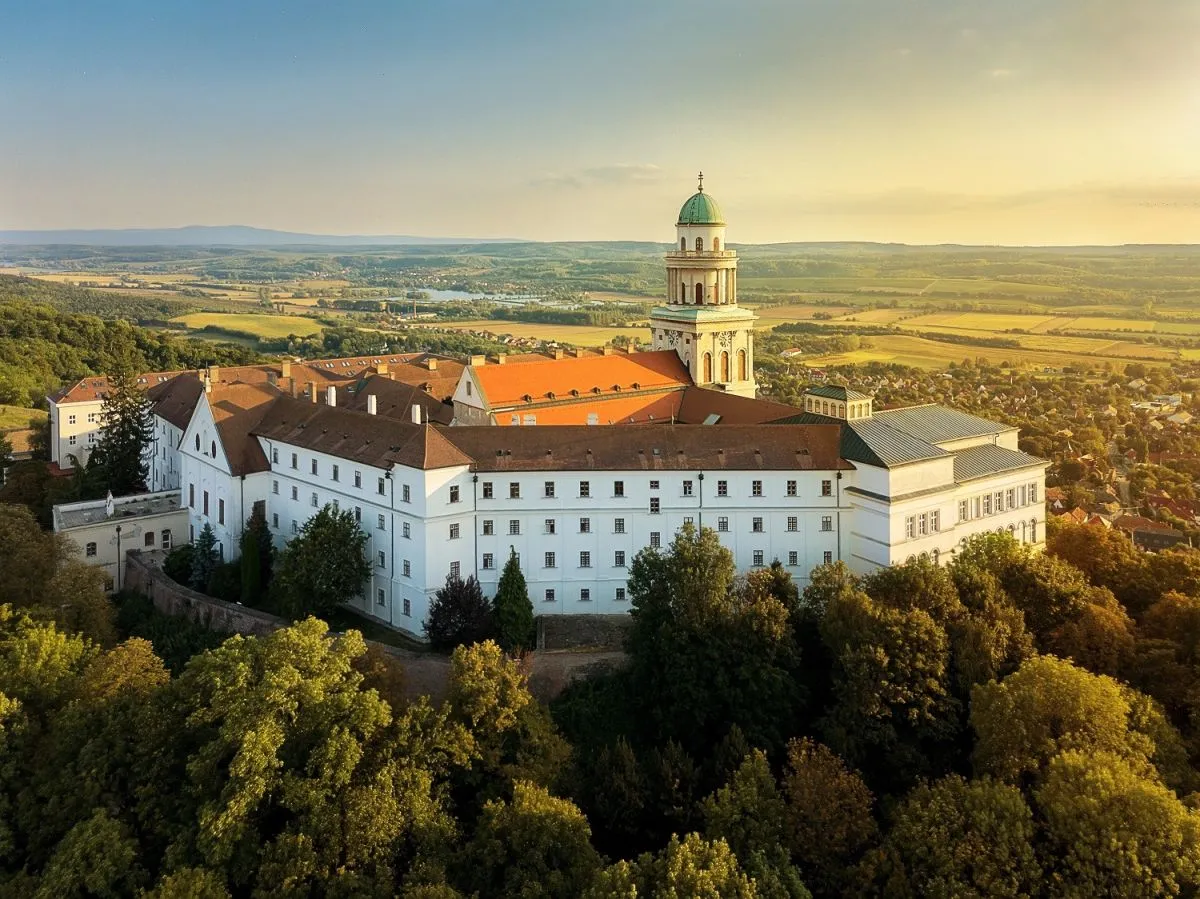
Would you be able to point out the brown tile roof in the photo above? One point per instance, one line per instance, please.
(175, 400)
(370, 439)
(652, 447)
(509, 384)
(617, 409)
(395, 399)
(236, 409)
(700, 402)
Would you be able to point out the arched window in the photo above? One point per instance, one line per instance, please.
(1033, 530)
(1024, 531)
(824, 407)
(699, 244)
(682, 292)
(936, 555)
(741, 357)
(197, 443)
(1012, 530)
(707, 368)
(699, 294)
(724, 367)
(166, 538)
(90, 550)
(149, 539)
(716, 244)
(683, 244)
(214, 449)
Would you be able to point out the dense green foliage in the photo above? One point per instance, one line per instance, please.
(459, 614)
(324, 565)
(512, 611)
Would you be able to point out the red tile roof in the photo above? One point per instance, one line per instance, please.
(611, 410)
(237, 409)
(523, 385)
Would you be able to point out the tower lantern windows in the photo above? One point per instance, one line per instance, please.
(683, 244)
(699, 244)
(699, 293)
(716, 244)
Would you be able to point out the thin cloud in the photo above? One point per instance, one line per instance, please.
(617, 174)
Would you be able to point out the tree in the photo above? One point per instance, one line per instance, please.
(258, 552)
(534, 846)
(120, 457)
(459, 614)
(324, 565)
(964, 838)
(691, 868)
(1112, 832)
(204, 558)
(511, 608)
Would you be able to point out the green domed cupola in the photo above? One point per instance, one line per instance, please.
(700, 209)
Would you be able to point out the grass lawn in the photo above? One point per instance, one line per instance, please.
(252, 323)
(19, 417)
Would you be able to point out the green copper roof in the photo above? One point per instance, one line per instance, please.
(700, 209)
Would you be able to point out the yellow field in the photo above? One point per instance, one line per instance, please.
(875, 316)
(19, 417)
(254, 324)
(770, 316)
(580, 335)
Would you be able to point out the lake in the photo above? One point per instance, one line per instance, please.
(448, 296)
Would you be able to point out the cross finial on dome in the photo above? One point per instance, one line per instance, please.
(701, 182)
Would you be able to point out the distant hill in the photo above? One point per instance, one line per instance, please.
(223, 236)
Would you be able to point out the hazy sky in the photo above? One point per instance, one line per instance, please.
(973, 121)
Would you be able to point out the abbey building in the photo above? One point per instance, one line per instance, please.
(575, 462)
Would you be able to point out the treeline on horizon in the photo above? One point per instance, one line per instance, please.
(1007, 725)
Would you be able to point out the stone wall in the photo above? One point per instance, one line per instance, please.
(582, 631)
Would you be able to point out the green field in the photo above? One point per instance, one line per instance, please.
(578, 335)
(19, 417)
(262, 325)
(914, 286)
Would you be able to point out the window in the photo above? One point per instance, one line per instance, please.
(295, 527)
(791, 488)
(620, 594)
(406, 493)
(935, 521)
(379, 486)
(618, 525)
(549, 488)
(910, 527)
(454, 495)
(454, 532)
(379, 600)
(793, 523)
(274, 456)
(654, 484)
(756, 488)
(1023, 493)
(406, 568)
(381, 523)
(964, 510)
(922, 524)
(1033, 538)
(723, 523)
(654, 505)
(191, 496)
(206, 502)
(585, 594)
(549, 594)
(220, 511)
(827, 488)
(987, 504)
(454, 570)
(358, 479)
(585, 525)
(149, 539)
(827, 557)
(406, 530)
(166, 535)
(275, 520)
(827, 522)
(619, 559)
(793, 558)
(275, 487)
(687, 488)
(655, 539)
(619, 487)
(722, 488)
(407, 608)
(489, 561)
(488, 527)
(758, 557)
(585, 488)
(688, 519)
(585, 560)
(90, 549)
(999, 501)
(381, 559)
(335, 473)
(756, 525)
(549, 561)
(551, 526)
(71, 421)
(314, 466)
(514, 526)
(295, 492)
(487, 490)
(514, 490)
(71, 440)
(314, 501)
(1010, 496)
(1033, 496)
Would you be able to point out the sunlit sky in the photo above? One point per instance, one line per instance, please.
(917, 121)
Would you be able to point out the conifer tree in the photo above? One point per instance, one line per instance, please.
(512, 609)
(204, 558)
(119, 461)
(257, 553)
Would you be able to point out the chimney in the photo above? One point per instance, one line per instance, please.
(607, 351)
(501, 358)
(214, 372)
(477, 361)
(285, 369)
(558, 353)
(330, 395)
(292, 387)
(372, 404)
(312, 391)
(207, 383)
(431, 364)
(416, 414)
(381, 368)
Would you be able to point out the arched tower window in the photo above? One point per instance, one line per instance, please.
(724, 367)
(741, 357)
(683, 244)
(699, 244)
(699, 294)
(683, 293)
(716, 244)
(707, 369)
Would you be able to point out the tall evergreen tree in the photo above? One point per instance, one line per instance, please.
(257, 554)
(512, 609)
(119, 461)
(204, 558)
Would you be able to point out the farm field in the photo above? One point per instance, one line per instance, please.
(903, 349)
(770, 316)
(253, 324)
(915, 286)
(581, 335)
(997, 323)
(19, 417)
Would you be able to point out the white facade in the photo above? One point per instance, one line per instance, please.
(74, 430)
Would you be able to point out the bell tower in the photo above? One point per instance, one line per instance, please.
(701, 320)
